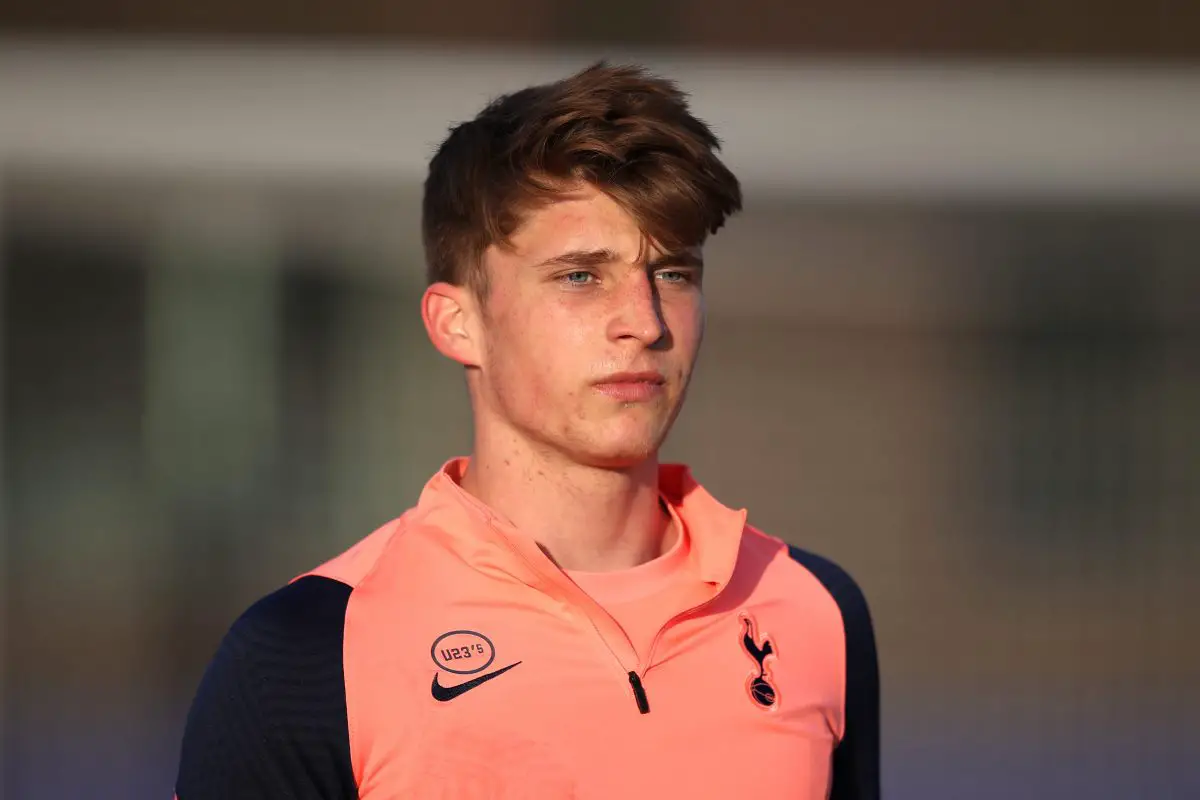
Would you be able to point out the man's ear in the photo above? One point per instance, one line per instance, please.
(448, 312)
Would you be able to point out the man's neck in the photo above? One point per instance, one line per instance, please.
(586, 519)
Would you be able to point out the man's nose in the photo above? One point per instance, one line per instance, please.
(637, 312)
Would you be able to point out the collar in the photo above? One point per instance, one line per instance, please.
(474, 529)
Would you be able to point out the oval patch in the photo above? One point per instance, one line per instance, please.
(463, 652)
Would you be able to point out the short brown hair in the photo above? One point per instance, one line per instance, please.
(619, 128)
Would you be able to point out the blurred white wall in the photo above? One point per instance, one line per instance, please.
(880, 128)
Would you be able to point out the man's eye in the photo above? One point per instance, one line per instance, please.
(578, 278)
(674, 276)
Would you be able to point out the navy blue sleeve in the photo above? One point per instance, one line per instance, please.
(269, 718)
(856, 759)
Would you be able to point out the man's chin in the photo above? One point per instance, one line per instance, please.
(623, 454)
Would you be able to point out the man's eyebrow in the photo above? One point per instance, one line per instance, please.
(596, 258)
(684, 258)
(581, 258)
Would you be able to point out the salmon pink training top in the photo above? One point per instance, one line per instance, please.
(446, 656)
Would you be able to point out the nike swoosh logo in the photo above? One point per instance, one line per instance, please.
(444, 693)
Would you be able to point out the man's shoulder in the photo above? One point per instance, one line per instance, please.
(295, 626)
(831, 578)
(836, 580)
(354, 564)
(313, 604)
(310, 606)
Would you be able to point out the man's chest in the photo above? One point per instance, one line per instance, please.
(516, 700)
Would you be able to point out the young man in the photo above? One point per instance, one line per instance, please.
(559, 615)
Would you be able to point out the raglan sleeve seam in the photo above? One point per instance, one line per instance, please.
(269, 717)
(856, 755)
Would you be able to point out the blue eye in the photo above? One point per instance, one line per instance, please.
(674, 276)
(578, 278)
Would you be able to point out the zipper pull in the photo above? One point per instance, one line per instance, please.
(639, 693)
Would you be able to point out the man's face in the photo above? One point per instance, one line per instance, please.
(589, 334)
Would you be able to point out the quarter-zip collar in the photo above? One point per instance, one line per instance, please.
(492, 544)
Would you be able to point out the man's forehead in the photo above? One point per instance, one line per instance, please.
(576, 222)
(588, 227)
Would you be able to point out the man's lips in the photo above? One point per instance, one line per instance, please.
(632, 387)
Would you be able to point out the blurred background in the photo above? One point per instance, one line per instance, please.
(954, 344)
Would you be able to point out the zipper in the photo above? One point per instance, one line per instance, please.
(635, 681)
(675, 620)
(635, 678)
(639, 693)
